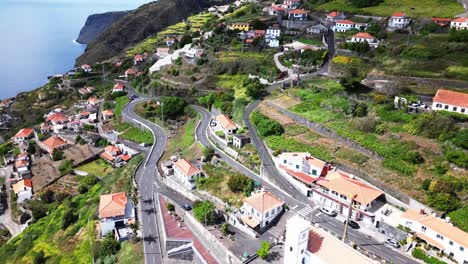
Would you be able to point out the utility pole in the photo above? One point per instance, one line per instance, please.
(350, 208)
(409, 29)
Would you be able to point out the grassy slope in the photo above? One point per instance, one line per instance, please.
(98, 167)
(73, 245)
(120, 102)
(422, 8)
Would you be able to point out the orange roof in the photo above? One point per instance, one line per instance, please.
(439, 226)
(300, 176)
(21, 163)
(260, 31)
(298, 11)
(126, 157)
(226, 122)
(21, 185)
(130, 72)
(106, 156)
(461, 19)
(438, 19)
(277, 8)
(113, 150)
(187, 168)
(85, 66)
(138, 57)
(263, 201)
(54, 142)
(342, 184)
(118, 86)
(112, 205)
(332, 14)
(345, 21)
(363, 35)
(57, 117)
(249, 40)
(315, 162)
(24, 133)
(108, 112)
(399, 14)
(451, 98)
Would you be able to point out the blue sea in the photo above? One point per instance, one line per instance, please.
(37, 38)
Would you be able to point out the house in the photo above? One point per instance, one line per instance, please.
(118, 87)
(167, 167)
(116, 212)
(22, 167)
(259, 33)
(450, 101)
(86, 68)
(170, 41)
(115, 155)
(345, 25)
(107, 114)
(242, 26)
(273, 42)
(52, 144)
(193, 53)
(130, 73)
(460, 23)
(239, 140)
(260, 209)
(249, 41)
(83, 91)
(274, 10)
(338, 189)
(443, 22)
(228, 126)
(292, 4)
(334, 16)
(399, 20)
(438, 233)
(6, 103)
(23, 190)
(24, 134)
(57, 118)
(186, 173)
(273, 31)
(137, 59)
(318, 29)
(307, 244)
(162, 52)
(297, 14)
(93, 101)
(365, 37)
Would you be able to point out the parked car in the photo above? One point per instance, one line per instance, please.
(392, 243)
(187, 207)
(143, 145)
(328, 211)
(352, 224)
(213, 123)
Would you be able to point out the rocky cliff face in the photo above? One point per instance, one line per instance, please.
(98, 23)
(138, 25)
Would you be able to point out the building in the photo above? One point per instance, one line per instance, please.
(130, 73)
(86, 68)
(451, 101)
(259, 33)
(306, 244)
(345, 25)
(438, 233)
(23, 190)
(338, 189)
(107, 114)
(118, 87)
(227, 125)
(239, 140)
(137, 59)
(186, 173)
(52, 144)
(115, 155)
(297, 14)
(334, 16)
(273, 31)
(273, 42)
(170, 42)
(260, 209)
(94, 101)
(242, 26)
(399, 20)
(116, 212)
(162, 52)
(275, 10)
(443, 22)
(318, 29)
(6, 103)
(365, 37)
(292, 4)
(302, 162)
(57, 118)
(460, 23)
(23, 134)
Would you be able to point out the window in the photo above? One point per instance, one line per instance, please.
(302, 251)
(267, 214)
(454, 108)
(462, 249)
(297, 166)
(438, 105)
(451, 243)
(446, 107)
(290, 248)
(440, 237)
(463, 110)
(423, 228)
(334, 193)
(285, 161)
(314, 172)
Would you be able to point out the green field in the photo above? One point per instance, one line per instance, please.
(234, 82)
(138, 135)
(422, 8)
(98, 167)
(120, 102)
(184, 139)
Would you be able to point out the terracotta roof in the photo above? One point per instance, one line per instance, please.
(363, 35)
(113, 150)
(106, 156)
(108, 112)
(130, 72)
(226, 122)
(461, 19)
(126, 157)
(21, 163)
(342, 184)
(277, 8)
(298, 12)
(430, 240)
(93, 100)
(54, 142)
(85, 66)
(249, 40)
(83, 91)
(315, 162)
(24, 133)
(263, 201)
(345, 21)
(118, 86)
(187, 168)
(332, 14)
(398, 14)
(439, 226)
(300, 176)
(451, 97)
(138, 57)
(112, 205)
(259, 31)
(19, 186)
(438, 19)
(22, 155)
(57, 117)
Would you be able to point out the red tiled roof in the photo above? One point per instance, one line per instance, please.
(106, 156)
(108, 112)
(21, 163)
(345, 21)
(113, 150)
(111, 205)
(118, 86)
(24, 133)
(54, 142)
(187, 167)
(363, 35)
(277, 8)
(398, 14)
(438, 19)
(226, 122)
(138, 57)
(451, 98)
(332, 14)
(299, 175)
(249, 40)
(461, 19)
(298, 12)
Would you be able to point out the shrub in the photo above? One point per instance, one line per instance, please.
(208, 153)
(419, 254)
(425, 184)
(66, 167)
(265, 126)
(69, 218)
(399, 166)
(205, 212)
(459, 218)
(413, 157)
(170, 207)
(57, 155)
(264, 250)
(239, 182)
(366, 124)
(443, 201)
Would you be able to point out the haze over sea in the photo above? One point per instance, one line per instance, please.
(37, 38)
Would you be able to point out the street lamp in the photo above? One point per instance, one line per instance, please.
(345, 233)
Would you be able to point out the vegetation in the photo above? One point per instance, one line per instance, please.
(138, 135)
(459, 218)
(265, 126)
(168, 107)
(120, 102)
(240, 183)
(98, 167)
(264, 250)
(66, 167)
(419, 254)
(205, 212)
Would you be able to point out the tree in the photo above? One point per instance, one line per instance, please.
(69, 218)
(205, 212)
(57, 155)
(254, 88)
(208, 152)
(443, 201)
(459, 217)
(170, 207)
(225, 229)
(39, 258)
(107, 247)
(238, 182)
(48, 196)
(66, 167)
(264, 250)
(135, 226)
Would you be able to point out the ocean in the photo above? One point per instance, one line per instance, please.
(37, 38)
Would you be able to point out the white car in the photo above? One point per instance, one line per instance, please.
(328, 211)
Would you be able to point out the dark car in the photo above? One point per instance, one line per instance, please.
(187, 207)
(352, 224)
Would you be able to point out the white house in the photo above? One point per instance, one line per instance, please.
(186, 173)
(317, 29)
(273, 42)
(338, 189)
(297, 240)
(302, 162)
(399, 20)
(459, 23)
(137, 59)
(228, 126)
(118, 87)
(297, 14)
(273, 31)
(438, 233)
(345, 25)
(275, 10)
(365, 37)
(260, 209)
(450, 101)
(292, 4)
(116, 212)
(86, 68)
(24, 134)
(334, 16)
(23, 190)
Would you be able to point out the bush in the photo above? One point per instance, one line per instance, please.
(107, 247)
(366, 124)
(239, 182)
(57, 155)
(254, 88)
(443, 201)
(66, 167)
(205, 212)
(208, 153)
(414, 157)
(458, 35)
(399, 166)
(461, 139)
(459, 218)
(264, 250)
(69, 218)
(170, 207)
(425, 184)
(265, 126)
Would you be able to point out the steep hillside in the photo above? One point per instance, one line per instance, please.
(138, 25)
(98, 23)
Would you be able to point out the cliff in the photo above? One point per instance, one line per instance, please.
(98, 23)
(139, 24)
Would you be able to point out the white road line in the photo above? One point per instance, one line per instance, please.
(294, 207)
(331, 223)
(319, 214)
(353, 235)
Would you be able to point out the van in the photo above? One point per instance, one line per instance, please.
(328, 211)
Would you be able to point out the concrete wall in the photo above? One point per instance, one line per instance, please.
(171, 183)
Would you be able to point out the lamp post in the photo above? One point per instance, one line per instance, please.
(345, 233)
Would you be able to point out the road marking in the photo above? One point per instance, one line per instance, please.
(353, 235)
(400, 259)
(331, 223)
(318, 214)
(294, 207)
